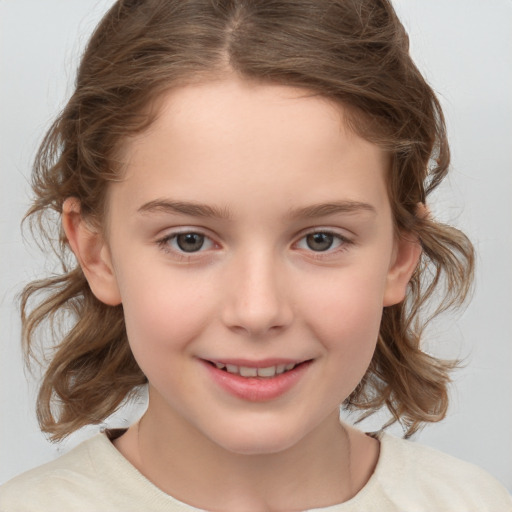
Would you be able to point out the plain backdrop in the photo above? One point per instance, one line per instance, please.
(464, 48)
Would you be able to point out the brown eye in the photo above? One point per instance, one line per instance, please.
(319, 241)
(190, 242)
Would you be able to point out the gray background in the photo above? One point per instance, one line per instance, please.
(464, 47)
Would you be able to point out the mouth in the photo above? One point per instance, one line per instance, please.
(260, 381)
(264, 372)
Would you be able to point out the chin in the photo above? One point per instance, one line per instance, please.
(257, 441)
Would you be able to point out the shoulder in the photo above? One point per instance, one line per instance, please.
(417, 474)
(92, 476)
(56, 481)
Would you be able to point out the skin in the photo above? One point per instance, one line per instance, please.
(259, 156)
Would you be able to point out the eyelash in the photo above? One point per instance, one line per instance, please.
(343, 244)
(165, 245)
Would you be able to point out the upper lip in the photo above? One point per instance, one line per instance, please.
(260, 363)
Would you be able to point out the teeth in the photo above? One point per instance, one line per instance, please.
(280, 368)
(246, 371)
(267, 372)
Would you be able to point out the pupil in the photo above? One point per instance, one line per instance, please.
(319, 241)
(190, 242)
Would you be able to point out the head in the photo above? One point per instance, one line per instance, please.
(350, 54)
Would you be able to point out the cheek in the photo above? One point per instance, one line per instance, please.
(350, 326)
(350, 301)
(162, 315)
(346, 317)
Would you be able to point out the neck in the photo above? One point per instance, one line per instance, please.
(321, 470)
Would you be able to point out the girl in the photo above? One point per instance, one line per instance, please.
(244, 187)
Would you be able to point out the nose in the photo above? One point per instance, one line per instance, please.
(257, 298)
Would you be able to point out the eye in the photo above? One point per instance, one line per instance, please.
(321, 241)
(186, 242)
(190, 242)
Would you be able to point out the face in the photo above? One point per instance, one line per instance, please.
(252, 247)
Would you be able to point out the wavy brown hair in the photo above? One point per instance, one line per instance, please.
(354, 52)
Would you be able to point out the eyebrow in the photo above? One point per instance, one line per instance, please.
(203, 210)
(184, 208)
(331, 208)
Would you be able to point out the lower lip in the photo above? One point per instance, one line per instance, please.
(257, 389)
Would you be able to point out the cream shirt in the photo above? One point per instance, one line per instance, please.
(408, 477)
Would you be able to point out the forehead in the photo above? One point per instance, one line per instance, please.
(260, 137)
(241, 109)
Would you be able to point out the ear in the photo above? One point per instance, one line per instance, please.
(92, 253)
(405, 260)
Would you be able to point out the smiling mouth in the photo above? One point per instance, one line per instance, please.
(247, 371)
